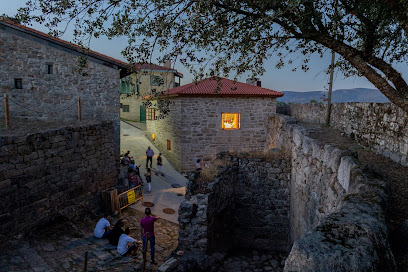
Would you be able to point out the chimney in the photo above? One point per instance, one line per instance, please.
(254, 81)
(167, 63)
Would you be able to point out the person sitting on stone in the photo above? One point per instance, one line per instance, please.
(116, 232)
(103, 228)
(132, 177)
(126, 159)
(126, 244)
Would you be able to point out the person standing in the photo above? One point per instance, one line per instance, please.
(148, 177)
(149, 155)
(160, 165)
(103, 228)
(147, 232)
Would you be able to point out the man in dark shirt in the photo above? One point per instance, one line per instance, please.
(149, 156)
(147, 232)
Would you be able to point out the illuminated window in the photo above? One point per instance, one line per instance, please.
(150, 114)
(231, 121)
(153, 136)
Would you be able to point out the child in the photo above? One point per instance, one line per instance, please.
(148, 177)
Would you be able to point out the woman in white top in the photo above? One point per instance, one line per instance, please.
(123, 244)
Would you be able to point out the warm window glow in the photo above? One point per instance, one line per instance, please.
(153, 136)
(231, 121)
(150, 114)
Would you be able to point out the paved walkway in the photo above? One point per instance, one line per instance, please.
(62, 247)
(163, 194)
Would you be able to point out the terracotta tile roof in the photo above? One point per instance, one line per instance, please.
(227, 87)
(61, 42)
(151, 66)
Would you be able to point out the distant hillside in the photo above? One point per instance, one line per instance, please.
(338, 96)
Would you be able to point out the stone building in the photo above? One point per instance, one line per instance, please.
(211, 116)
(145, 79)
(44, 76)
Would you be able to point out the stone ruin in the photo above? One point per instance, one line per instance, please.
(309, 207)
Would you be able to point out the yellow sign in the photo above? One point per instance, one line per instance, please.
(131, 196)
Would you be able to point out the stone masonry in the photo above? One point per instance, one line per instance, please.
(381, 126)
(334, 213)
(194, 128)
(54, 96)
(245, 207)
(337, 210)
(55, 173)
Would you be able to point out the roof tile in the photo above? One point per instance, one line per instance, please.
(221, 86)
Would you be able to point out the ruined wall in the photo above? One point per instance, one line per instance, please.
(381, 126)
(261, 210)
(246, 206)
(337, 213)
(320, 175)
(54, 96)
(53, 173)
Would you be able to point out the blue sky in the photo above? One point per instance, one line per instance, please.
(276, 79)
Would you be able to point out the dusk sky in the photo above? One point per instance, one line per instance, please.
(277, 79)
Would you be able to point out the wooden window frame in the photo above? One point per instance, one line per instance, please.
(238, 124)
(150, 114)
(125, 107)
(168, 145)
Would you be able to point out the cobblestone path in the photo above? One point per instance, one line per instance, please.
(62, 247)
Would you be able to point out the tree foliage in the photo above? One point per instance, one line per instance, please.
(223, 37)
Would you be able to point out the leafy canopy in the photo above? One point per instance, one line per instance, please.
(222, 37)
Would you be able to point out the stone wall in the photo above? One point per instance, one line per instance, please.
(203, 215)
(54, 96)
(261, 209)
(197, 122)
(55, 173)
(320, 175)
(337, 212)
(168, 129)
(381, 126)
(246, 206)
(336, 219)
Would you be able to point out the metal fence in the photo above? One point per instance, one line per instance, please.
(129, 197)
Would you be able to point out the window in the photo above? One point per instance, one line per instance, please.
(125, 108)
(50, 69)
(168, 145)
(150, 114)
(125, 87)
(18, 83)
(156, 81)
(231, 121)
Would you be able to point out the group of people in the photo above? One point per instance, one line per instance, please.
(119, 236)
(134, 177)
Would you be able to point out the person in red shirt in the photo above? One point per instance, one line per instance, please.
(147, 231)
